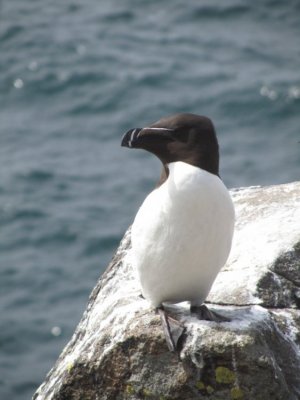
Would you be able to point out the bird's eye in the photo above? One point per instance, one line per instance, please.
(180, 135)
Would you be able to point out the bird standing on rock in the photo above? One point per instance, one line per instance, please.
(181, 236)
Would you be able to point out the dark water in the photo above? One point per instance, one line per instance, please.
(74, 75)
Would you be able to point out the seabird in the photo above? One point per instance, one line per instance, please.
(181, 236)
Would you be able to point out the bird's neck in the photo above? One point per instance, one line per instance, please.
(163, 176)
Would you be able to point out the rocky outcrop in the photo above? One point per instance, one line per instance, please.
(118, 350)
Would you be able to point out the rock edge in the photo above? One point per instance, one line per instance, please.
(118, 349)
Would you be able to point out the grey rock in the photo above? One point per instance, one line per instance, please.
(118, 350)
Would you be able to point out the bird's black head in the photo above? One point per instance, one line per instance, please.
(182, 137)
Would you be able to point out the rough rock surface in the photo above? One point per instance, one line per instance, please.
(118, 350)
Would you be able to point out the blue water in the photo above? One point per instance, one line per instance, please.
(74, 75)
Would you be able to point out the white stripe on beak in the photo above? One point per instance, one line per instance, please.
(131, 137)
(159, 129)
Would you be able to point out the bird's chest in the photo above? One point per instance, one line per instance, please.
(156, 221)
(172, 217)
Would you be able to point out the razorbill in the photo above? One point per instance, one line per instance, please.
(182, 233)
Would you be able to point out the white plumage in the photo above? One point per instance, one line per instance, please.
(181, 236)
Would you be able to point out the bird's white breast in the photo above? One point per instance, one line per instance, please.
(181, 236)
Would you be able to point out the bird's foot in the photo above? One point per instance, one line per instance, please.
(173, 329)
(202, 312)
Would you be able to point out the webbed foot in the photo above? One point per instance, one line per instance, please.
(172, 328)
(202, 312)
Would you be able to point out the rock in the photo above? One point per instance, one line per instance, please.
(118, 350)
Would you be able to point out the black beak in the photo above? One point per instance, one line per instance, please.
(134, 137)
(130, 137)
